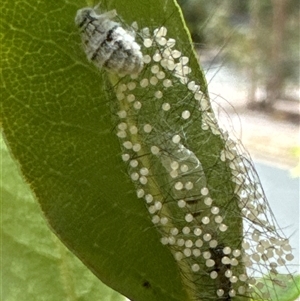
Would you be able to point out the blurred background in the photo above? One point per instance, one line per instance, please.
(249, 50)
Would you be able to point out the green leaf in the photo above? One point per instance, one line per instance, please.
(58, 124)
(35, 264)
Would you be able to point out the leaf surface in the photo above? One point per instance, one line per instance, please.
(35, 264)
(57, 122)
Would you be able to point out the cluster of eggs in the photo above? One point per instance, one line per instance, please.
(170, 176)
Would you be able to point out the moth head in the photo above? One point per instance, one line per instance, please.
(85, 15)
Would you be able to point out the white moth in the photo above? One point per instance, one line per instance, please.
(107, 43)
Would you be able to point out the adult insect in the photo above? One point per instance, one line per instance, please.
(107, 44)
